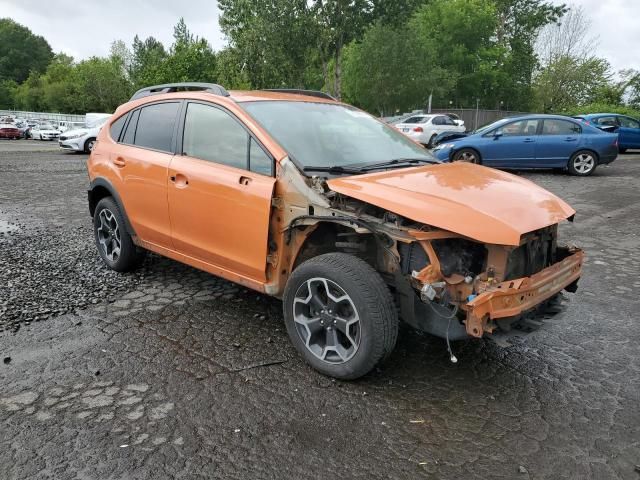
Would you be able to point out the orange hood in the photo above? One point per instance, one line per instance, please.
(481, 203)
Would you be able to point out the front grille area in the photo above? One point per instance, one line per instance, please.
(537, 253)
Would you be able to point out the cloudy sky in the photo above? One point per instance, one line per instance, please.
(87, 27)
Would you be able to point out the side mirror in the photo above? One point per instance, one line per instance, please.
(497, 134)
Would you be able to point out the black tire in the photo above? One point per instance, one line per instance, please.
(374, 305)
(622, 150)
(88, 145)
(430, 144)
(468, 155)
(582, 163)
(129, 256)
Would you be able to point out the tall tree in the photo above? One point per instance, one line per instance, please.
(21, 52)
(389, 71)
(147, 59)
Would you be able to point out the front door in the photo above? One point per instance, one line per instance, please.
(512, 145)
(220, 192)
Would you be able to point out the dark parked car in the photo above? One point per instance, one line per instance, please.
(534, 141)
(627, 128)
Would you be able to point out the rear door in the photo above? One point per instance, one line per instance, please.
(220, 190)
(559, 139)
(511, 145)
(140, 161)
(628, 132)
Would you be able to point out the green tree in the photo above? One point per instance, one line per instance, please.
(388, 71)
(8, 90)
(21, 52)
(474, 61)
(147, 61)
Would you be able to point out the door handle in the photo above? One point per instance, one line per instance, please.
(529, 140)
(180, 180)
(570, 139)
(244, 180)
(119, 162)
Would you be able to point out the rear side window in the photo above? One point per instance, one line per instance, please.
(560, 127)
(130, 134)
(116, 127)
(155, 126)
(628, 122)
(212, 134)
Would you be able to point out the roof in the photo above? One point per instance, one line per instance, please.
(262, 95)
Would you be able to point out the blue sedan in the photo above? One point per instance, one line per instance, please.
(534, 141)
(627, 128)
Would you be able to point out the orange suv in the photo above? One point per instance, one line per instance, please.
(353, 225)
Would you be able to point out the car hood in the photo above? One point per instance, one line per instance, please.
(81, 131)
(481, 203)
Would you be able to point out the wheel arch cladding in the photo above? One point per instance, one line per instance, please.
(101, 188)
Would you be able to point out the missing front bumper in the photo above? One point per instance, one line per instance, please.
(515, 297)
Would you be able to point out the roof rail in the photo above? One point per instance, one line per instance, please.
(177, 87)
(308, 93)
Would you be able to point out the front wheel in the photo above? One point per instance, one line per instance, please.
(88, 145)
(467, 155)
(340, 315)
(582, 163)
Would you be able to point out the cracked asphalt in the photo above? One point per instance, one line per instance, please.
(169, 372)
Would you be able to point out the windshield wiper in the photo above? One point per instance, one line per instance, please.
(397, 162)
(333, 169)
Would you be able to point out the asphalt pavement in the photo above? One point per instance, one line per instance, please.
(169, 372)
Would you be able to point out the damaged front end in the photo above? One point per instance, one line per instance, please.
(488, 290)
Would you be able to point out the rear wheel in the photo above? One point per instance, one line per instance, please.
(467, 155)
(115, 246)
(340, 315)
(430, 144)
(582, 163)
(622, 150)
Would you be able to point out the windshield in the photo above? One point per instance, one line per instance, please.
(415, 120)
(46, 126)
(330, 135)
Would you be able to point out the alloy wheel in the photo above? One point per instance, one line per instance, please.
(584, 163)
(327, 320)
(109, 235)
(467, 156)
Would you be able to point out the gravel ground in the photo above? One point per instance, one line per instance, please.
(172, 373)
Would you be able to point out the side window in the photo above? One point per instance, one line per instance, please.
(116, 128)
(628, 122)
(607, 121)
(449, 121)
(259, 161)
(155, 126)
(130, 133)
(438, 121)
(521, 128)
(212, 134)
(560, 127)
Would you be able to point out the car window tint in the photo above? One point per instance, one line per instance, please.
(259, 161)
(130, 134)
(520, 128)
(415, 120)
(448, 121)
(212, 134)
(116, 127)
(438, 121)
(560, 127)
(607, 121)
(155, 126)
(628, 122)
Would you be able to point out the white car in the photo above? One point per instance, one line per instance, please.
(424, 128)
(44, 131)
(83, 139)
